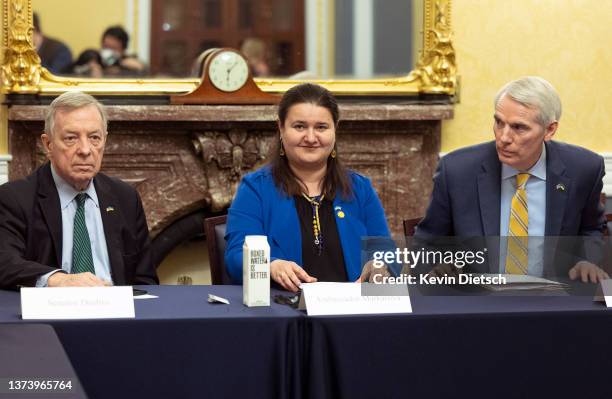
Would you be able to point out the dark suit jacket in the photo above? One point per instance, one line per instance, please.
(467, 192)
(31, 230)
(55, 55)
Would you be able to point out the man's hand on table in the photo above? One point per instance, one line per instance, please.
(86, 279)
(587, 272)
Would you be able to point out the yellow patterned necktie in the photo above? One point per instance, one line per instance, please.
(518, 229)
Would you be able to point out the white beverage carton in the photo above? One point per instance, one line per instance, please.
(256, 271)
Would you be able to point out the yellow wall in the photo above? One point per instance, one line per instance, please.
(79, 23)
(3, 128)
(566, 42)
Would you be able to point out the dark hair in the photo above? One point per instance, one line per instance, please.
(88, 55)
(36, 22)
(118, 33)
(81, 65)
(337, 176)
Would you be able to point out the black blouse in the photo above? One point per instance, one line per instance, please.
(328, 264)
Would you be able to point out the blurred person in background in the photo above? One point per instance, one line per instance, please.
(255, 52)
(54, 55)
(116, 61)
(88, 64)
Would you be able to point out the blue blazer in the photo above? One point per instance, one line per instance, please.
(261, 208)
(467, 191)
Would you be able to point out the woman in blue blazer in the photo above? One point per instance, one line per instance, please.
(313, 210)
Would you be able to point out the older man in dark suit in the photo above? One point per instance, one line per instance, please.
(523, 184)
(66, 224)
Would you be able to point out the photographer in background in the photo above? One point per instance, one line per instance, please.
(114, 58)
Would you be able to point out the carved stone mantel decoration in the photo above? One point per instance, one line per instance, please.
(187, 158)
(226, 156)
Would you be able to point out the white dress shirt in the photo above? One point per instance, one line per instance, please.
(536, 205)
(95, 228)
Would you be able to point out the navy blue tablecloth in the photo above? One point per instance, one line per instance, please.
(455, 347)
(181, 346)
(482, 346)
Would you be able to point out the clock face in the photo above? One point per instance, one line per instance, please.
(228, 71)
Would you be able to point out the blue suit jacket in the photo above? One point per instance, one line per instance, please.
(260, 208)
(467, 191)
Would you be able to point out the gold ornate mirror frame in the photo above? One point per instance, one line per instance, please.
(22, 73)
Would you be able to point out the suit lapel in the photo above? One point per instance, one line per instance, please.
(111, 219)
(489, 183)
(48, 199)
(557, 190)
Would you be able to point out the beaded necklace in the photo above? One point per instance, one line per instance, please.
(316, 222)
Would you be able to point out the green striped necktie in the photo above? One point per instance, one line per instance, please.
(82, 261)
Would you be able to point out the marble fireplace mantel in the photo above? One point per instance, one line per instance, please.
(185, 158)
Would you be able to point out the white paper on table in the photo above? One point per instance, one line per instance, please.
(526, 279)
(217, 299)
(328, 298)
(606, 287)
(145, 296)
(522, 282)
(77, 303)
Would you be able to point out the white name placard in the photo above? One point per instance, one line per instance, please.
(77, 303)
(346, 298)
(606, 287)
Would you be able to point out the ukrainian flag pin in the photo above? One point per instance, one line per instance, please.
(340, 214)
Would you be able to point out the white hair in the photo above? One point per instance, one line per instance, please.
(69, 101)
(534, 92)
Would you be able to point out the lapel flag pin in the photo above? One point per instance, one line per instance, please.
(560, 187)
(110, 209)
(339, 212)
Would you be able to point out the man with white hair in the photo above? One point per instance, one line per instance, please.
(66, 224)
(521, 185)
